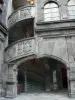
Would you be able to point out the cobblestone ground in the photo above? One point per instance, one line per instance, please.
(41, 96)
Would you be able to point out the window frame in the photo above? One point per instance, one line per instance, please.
(71, 10)
(52, 16)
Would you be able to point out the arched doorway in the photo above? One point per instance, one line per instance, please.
(42, 75)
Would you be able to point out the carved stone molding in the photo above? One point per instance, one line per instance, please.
(20, 14)
(20, 49)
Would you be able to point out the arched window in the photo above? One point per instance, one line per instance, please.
(71, 9)
(51, 12)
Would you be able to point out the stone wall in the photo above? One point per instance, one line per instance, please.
(52, 40)
(3, 37)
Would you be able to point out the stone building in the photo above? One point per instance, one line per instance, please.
(37, 52)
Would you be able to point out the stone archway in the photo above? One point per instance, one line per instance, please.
(54, 70)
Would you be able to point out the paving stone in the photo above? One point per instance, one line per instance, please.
(41, 96)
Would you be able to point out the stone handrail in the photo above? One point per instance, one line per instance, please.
(21, 48)
(37, 47)
(21, 14)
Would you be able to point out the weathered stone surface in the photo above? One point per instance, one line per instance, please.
(56, 47)
(60, 46)
(21, 14)
(20, 49)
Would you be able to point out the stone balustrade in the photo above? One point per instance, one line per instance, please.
(38, 46)
(21, 14)
(20, 49)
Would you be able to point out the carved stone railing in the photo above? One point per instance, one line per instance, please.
(19, 49)
(37, 47)
(21, 14)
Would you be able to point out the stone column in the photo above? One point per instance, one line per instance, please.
(26, 86)
(63, 9)
(40, 11)
(54, 75)
(59, 76)
(55, 86)
(11, 83)
(70, 43)
(71, 80)
(46, 65)
(4, 79)
(1, 61)
(0, 79)
(47, 83)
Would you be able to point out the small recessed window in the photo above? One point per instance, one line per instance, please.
(51, 12)
(71, 9)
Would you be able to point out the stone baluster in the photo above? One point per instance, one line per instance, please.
(26, 86)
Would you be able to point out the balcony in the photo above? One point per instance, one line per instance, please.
(21, 48)
(37, 47)
(20, 14)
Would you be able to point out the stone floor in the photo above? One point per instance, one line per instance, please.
(41, 96)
